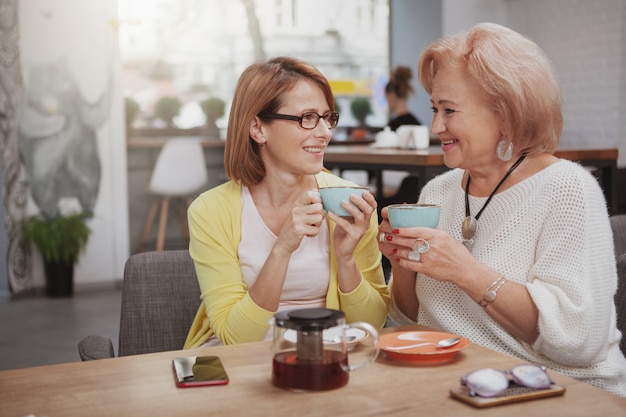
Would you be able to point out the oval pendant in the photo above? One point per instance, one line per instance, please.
(468, 229)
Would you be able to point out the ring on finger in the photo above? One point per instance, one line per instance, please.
(415, 256)
(381, 237)
(420, 245)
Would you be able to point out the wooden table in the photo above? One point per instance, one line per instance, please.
(429, 163)
(143, 386)
(425, 163)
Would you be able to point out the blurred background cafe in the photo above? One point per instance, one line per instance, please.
(101, 100)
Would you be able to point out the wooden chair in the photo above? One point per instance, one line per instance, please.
(179, 173)
(160, 298)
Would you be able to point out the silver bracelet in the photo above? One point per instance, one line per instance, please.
(492, 292)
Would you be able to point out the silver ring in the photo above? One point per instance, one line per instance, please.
(420, 245)
(381, 238)
(415, 256)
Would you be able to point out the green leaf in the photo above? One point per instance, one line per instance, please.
(62, 238)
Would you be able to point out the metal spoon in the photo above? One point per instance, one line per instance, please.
(445, 343)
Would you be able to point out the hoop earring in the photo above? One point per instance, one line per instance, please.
(504, 152)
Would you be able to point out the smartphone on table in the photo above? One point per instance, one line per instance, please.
(196, 371)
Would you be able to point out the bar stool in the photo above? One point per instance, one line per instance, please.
(179, 173)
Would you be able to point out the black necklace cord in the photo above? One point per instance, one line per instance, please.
(467, 185)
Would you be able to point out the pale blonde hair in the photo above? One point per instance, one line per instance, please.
(517, 77)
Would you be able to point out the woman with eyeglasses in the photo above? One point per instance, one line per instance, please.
(522, 259)
(261, 242)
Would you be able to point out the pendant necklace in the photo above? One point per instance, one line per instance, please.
(468, 228)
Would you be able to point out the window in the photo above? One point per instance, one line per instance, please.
(195, 49)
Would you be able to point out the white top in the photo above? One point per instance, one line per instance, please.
(550, 232)
(306, 283)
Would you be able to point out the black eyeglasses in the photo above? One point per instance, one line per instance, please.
(308, 120)
(489, 382)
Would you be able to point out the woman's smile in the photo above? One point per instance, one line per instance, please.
(314, 149)
(447, 144)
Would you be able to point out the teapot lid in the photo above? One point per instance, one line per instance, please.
(309, 319)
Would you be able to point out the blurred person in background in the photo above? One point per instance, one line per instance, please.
(397, 92)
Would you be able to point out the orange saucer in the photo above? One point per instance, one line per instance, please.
(429, 354)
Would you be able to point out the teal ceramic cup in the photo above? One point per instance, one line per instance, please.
(413, 215)
(333, 196)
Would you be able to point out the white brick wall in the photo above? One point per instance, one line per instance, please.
(586, 40)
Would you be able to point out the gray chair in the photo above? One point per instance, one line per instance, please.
(620, 299)
(160, 298)
(618, 225)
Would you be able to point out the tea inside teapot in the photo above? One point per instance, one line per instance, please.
(304, 361)
(309, 364)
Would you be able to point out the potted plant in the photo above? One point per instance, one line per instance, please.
(59, 240)
(166, 108)
(131, 110)
(213, 108)
(360, 108)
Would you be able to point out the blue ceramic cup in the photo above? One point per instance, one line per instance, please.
(413, 215)
(333, 196)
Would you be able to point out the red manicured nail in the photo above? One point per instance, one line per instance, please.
(395, 231)
(388, 238)
(397, 259)
(395, 250)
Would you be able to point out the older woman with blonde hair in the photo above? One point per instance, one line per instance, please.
(261, 242)
(522, 259)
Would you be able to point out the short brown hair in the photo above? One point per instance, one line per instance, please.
(260, 89)
(516, 76)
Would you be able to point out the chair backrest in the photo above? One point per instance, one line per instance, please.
(618, 225)
(180, 169)
(160, 298)
(620, 299)
(408, 192)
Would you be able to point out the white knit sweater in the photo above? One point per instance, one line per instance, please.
(551, 233)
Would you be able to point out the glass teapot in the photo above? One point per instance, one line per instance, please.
(311, 348)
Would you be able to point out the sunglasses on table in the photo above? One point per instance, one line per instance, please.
(490, 382)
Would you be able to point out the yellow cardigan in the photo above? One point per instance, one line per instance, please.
(227, 309)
